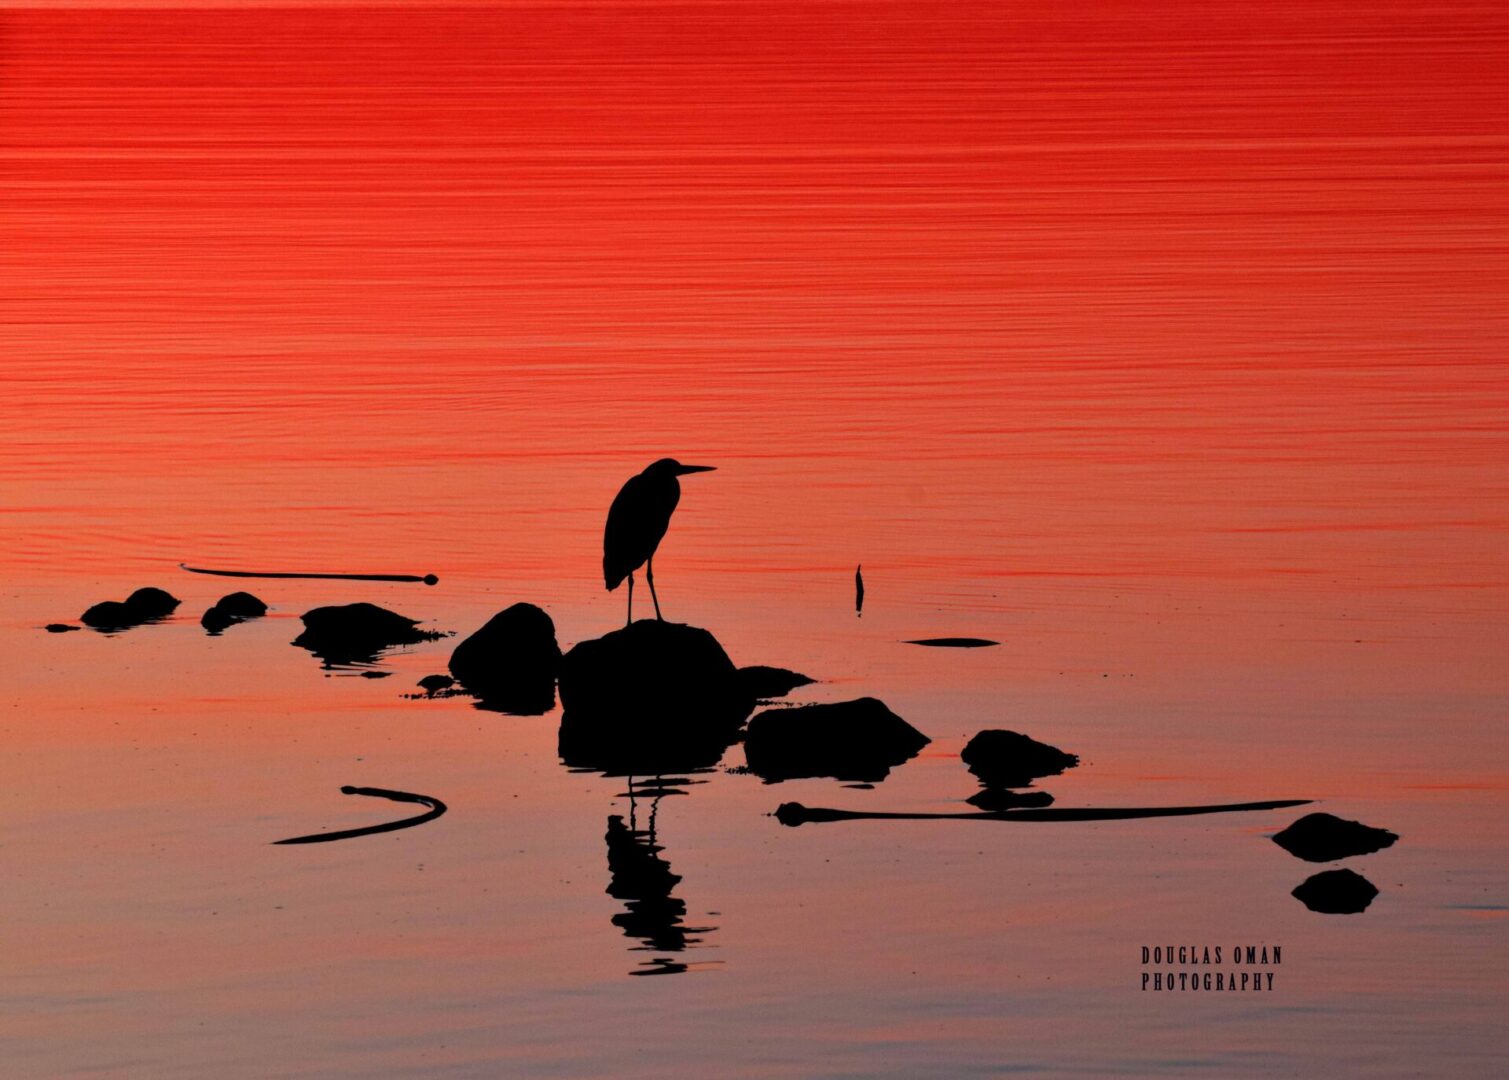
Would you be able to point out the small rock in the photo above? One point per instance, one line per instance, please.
(433, 684)
(1326, 838)
(998, 799)
(241, 605)
(60, 628)
(356, 633)
(850, 740)
(142, 606)
(761, 682)
(1336, 892)
(216, 619)
(1006, 759)
(511, 662)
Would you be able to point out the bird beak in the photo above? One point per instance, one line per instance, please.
(695, 468)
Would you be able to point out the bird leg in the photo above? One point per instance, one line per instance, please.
(649, 573)
(629, 621)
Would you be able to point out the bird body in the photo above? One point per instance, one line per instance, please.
(637, 521)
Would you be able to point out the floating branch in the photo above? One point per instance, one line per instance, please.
(428, 579)
(436, 809)
(794, 813)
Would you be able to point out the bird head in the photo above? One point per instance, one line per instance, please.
(672, 467)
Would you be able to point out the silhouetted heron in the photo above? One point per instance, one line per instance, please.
(637, 520)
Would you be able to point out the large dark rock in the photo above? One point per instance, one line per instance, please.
(1326, 838)
(652, 698)
(1336, 892)
(1007, 759)
(357, 633)
(761, 682)
(859, 740)
(511, 663)
(142, 606)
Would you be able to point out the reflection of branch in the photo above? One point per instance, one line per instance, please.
(794, 813)
(436, 809)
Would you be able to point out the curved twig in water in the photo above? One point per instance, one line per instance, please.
(794, 813)
(428, 579)
(436, 809)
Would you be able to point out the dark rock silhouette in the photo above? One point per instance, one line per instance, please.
(231, 609)
(850, 740)
(511, 663)
(1336, 892)
(637, 521)
(1006, 799)
(433, 684)
(60, 628)
(953, 642)
(241, 605)
(643, 880)
(1326, 838)
(143, 606)
(761, 682)
(1007, 759)
(653, 697)
(357, 633)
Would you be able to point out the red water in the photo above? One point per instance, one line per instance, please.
(1164, 344)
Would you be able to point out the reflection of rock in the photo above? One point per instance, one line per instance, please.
(511, 662)
(433, 684)
(142, 606)
(643, 880)
(1336, 892)
(849, 740)
(231, 609)
(1006, 759)
(996, 799)
(1325, 838)
(653, 671)
(761, 682)
(644, 743)
(356, 633)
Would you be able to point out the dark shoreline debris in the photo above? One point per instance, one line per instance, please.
(436, 808)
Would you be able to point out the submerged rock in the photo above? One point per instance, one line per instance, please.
(1007, 759)
(997, 799)
(356, 633)
(1336, 892)
(433, 684)
(60, 628)
(761, 682)
(849, 740)
(142, 606)
(511, 662)
(1326, 838)
(651, 698)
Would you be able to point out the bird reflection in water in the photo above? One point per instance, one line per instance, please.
(643, 881)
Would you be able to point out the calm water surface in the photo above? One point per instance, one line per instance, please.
(1164, 345)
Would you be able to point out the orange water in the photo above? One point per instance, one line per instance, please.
(1164, 344)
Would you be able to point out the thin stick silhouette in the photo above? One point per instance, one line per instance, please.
(794, 813)
(436, 809)
(427, 579)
